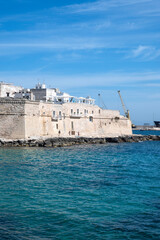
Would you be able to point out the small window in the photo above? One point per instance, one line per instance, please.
(56, 126)
(92, 112)
(7, 94)
(60, 113)
(72, 126)
(99, 111)
(71, 111)
(54, 113)
(77, 111)
(91, 119)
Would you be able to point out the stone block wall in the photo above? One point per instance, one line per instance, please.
(31, 119)
(12, 124)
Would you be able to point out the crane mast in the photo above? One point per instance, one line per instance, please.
(126, 112)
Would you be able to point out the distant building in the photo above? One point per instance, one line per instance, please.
(48, 112)
(41, 93)
(8, 90)
(25, 94)
(146, 124)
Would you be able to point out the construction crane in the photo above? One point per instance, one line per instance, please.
(126, 112)
(101, 103)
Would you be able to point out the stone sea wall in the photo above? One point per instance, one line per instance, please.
(63, 142)
(23, 119)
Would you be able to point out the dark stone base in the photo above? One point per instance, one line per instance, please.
(63, 142)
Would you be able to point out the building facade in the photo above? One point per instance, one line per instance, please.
(23, 119)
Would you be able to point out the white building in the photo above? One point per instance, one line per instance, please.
(8, 90)
(41, 93)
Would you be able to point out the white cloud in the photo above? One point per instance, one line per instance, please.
(152, 11)
(140, 50)
(112, 79)
(144, 53)
(54, 45)
(39, 41)
(101, 5)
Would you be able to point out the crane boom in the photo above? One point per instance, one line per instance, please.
(126, 112)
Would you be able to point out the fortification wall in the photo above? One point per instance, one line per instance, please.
(73, 120)
(12, 124)
(30, 119)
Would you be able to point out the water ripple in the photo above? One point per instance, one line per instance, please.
(107, 191)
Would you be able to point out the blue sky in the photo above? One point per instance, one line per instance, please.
(86, 48)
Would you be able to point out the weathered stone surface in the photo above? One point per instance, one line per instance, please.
(63, 142)
(22, 119)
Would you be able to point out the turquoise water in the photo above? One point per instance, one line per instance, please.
(107, 191)
(148, 132)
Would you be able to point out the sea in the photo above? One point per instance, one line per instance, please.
(109, 191)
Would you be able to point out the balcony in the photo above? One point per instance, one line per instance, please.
(54, 118)
(75, 115)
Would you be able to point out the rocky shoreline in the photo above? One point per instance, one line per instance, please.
(64, 142)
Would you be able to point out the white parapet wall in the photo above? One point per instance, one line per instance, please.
(31, 119)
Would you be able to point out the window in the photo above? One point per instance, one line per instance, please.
(92, 112)
(71, 111)
(72, 126)
(56, 126)
(7, 94)
(99, 111)
(91, 119)
(54, 113)
(60, 115)
(85, 111)
(77, 111)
